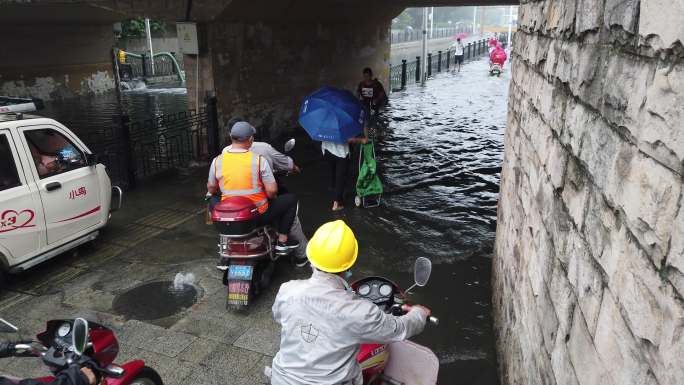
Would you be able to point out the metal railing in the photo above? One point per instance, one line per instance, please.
(408, 73)
(408, 35)
(134, 150)
(165, 64)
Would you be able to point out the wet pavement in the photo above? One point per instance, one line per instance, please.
(439, 150)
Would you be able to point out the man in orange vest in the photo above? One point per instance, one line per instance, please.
(240, 172)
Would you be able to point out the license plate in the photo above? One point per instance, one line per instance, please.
(242, 272)
(238, 293)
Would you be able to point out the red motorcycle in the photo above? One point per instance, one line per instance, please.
(247, 252)
(65, 343)
(399, 363)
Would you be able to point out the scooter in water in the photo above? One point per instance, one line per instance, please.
(495, 69)
(247, 253)
(399, 363)
(65, 343)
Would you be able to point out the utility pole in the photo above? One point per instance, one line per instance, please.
(474, 20)
(510, 27)
(432, 22)
(483, 19)
(149, 43)
(423, 77)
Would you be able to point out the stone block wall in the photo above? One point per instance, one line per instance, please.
(589, 258)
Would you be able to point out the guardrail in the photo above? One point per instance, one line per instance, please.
(140, 66)
(407, 72)
(409, 35)
(135, 150)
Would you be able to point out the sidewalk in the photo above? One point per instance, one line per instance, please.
(188, 336)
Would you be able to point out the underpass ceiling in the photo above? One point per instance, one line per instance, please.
(285, 11)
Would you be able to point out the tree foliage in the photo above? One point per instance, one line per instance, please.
(413, 17)
(135, 28)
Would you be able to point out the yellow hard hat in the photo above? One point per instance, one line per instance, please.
(333, 248)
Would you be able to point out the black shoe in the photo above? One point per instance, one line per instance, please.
(301, 261)
(284, 248)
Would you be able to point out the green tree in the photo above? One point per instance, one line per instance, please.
(403, 20)
(135, 28)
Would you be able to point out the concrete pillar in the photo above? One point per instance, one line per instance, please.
(199, 67)
(56, 61)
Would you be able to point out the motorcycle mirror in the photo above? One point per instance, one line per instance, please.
(80, 336)
(6, 327)
(289, 145)
(421, 271)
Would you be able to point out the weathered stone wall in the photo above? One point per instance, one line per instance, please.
(589, 264)
(56, 61)
(262, 72)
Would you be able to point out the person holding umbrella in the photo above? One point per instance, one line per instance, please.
(335, 118)
(338, 158)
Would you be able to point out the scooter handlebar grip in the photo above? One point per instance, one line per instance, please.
(433, 320)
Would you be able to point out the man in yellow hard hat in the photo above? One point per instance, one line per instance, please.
(323, 322)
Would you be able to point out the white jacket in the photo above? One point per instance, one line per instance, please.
(323, 323)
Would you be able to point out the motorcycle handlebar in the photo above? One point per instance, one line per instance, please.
(397, 310)
(26, 349)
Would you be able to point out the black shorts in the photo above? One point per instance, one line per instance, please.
(458, 59)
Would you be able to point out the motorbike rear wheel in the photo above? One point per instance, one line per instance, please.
(147, 376)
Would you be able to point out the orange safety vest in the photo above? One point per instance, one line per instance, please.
(242, 177)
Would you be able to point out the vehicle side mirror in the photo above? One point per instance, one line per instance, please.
(91, 159)
(422, 271)
(80, 336)
(6, 327)
(289, 145)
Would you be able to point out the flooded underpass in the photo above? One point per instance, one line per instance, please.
(439, 149)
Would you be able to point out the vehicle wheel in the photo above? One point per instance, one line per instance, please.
(147, 376)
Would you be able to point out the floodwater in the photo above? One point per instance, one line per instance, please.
(101, 113)
(439, 150)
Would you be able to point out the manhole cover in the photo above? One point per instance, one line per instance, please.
(154, 300)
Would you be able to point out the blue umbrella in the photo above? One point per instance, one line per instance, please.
(332, 115)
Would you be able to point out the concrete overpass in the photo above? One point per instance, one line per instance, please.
(589, 258)
(259, 56)
(207, 10)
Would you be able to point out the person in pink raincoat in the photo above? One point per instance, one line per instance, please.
(498, 56)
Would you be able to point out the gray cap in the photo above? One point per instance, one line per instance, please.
(242, 131)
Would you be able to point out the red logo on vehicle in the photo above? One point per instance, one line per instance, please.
(81, 191)
(11, 220)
